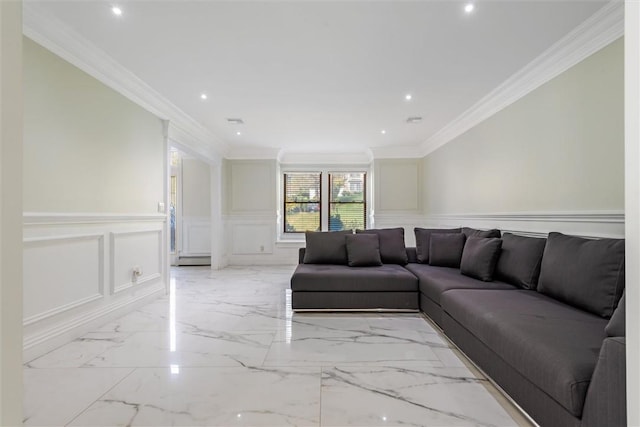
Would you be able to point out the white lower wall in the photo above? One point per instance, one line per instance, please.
(251, 240)
(196, 236)
(79, 273)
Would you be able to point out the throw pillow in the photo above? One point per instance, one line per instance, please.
(363, 250)
(445, 249)
(423, 237)
(326, 247)
(468, 232)
(519, 261)
(615, 327)
(392, 249)
(479, 257)
(585, 273)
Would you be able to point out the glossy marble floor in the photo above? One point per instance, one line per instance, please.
(224, 349)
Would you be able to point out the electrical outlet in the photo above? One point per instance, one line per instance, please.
(136, 272)
(160, 207)
(261, 248)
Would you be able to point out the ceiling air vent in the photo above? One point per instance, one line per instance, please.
(235, 121)
(414, 119)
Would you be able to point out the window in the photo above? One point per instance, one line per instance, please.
(302, 194)
(347, 203)
(305, 194)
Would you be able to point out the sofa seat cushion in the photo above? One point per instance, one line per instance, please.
(332, 278)
(436, 280)
(552, 344)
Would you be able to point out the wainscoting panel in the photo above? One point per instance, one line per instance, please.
(251, 239)
(131, 250)
(196, 236)
(78, 272)
(61, 273)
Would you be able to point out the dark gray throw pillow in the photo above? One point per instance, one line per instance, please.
(363, 250)
(519, 261)
(468, 232)
(615, 327)
(423, 237)
(479, 257)
(326, 247)
(445, 249)
(585, 273)
(392, 248)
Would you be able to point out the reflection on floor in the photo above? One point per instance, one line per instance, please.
(225, 349)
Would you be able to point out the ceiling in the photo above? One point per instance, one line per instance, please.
(317, 76)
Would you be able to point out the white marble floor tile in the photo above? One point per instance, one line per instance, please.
(199, 348)
(210, 397)
(53, 397)
(80, 351)
(358, 347)
(392, 396)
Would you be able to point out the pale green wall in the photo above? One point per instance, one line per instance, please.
(250, 186)
(87, 149)
(559, 148)
(196, 188)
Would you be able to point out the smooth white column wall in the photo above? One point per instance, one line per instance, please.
(11, 213)
(632, 208)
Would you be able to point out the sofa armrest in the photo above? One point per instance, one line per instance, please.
(301, 252)
(606, 402)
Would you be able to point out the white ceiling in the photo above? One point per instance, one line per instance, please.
(323, 75)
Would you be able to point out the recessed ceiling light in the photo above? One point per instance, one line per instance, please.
(203, 96)
(469, 7)
(408, 97)
(383, 131)
(116, 10)
(238, 133)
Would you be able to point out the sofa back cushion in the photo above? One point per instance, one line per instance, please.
(585, 273)
(520, 259)
(468, 232)
(324, 247)
(423, 238)
(363, 250)
(445, 249)
(616, 325)
(479, 257)
(392, 248)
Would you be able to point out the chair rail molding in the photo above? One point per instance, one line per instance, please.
(607, 224)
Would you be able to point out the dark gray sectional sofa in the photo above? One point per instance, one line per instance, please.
(544, 318)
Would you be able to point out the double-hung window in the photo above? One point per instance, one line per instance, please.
(316, 201)
(302, 202)
(347, 201)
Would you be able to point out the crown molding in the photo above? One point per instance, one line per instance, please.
(60, 39)
(602, 28)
